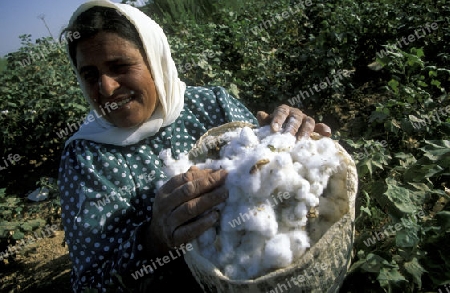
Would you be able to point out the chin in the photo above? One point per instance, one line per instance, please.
(127, 124)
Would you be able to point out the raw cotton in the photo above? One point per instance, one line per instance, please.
(274, 181)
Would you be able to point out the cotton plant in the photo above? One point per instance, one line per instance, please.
(275, 183)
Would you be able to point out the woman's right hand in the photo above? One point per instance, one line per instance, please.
(184, 207)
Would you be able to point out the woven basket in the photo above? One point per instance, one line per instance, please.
(323, 266)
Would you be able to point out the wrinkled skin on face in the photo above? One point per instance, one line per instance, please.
(116, 76)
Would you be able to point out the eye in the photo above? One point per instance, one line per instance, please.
(121, 68)
(90, 76)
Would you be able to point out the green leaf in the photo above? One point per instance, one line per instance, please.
(18, 235)
(394, 85)
(390, 275)
(373, 263)
(415, 269)
(407, 237)
(395, 198)
(435, 149)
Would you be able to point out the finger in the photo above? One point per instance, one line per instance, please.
(296, 118)
(192, 174)
(197, 206)
(194, 188)
(263, 118)
(322, 129)
(306, 128)
(279, 117)
(194, 229)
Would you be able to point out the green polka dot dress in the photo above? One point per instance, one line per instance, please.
(107, 191)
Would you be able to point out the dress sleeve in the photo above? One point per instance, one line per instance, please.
(102, 216)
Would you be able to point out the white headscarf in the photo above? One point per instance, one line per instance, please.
(169, 87)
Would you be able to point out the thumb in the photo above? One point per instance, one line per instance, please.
(263, 118)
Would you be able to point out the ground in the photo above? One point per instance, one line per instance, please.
(40, 267)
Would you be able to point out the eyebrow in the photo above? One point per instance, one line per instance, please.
(109, 62)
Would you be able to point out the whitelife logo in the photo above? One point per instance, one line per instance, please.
(12, 160)
(89, 118)
(166, 259)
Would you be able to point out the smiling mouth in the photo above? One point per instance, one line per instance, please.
(123, 102)
(117, 103)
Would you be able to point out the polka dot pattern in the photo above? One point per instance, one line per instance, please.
(107, 191)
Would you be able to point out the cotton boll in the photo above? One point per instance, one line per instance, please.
(299, 242)
(316, 188)
(252, 263)
(316, 162)
(251, 242)
(234, 271)
(289, 218)
(261, 219)
(253, 266)
(207, 244)
(325, 145)
(300, 210)
(249, 184)
(232, 149)
(280, 172)
(207, 238)
(249, 253)
(226, 164)
(229, 136)
(303, 190)
(231, 220)
(174, 167)
(299, 169)
(311, 200)
(263, 132)
(304, 149)
(248, 138)
(300, 154)
(280, 141)
(313, 175)
(277, 253)
(227, 243)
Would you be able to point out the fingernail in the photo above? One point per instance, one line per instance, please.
(275, 126)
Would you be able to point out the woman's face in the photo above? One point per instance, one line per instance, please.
(117, 79)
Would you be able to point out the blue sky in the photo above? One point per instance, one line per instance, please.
(18, 17)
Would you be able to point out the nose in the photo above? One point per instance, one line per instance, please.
(107, 85)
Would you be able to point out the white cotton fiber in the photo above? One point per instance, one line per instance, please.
(248, 138)
(299, 242)
(277, 253)
(174, 167)
(261, 219)
(273, 182)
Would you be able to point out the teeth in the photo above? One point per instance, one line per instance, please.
(123, 102)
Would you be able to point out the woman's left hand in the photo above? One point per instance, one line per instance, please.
(293, 120)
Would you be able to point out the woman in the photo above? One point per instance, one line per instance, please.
(116, 221)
